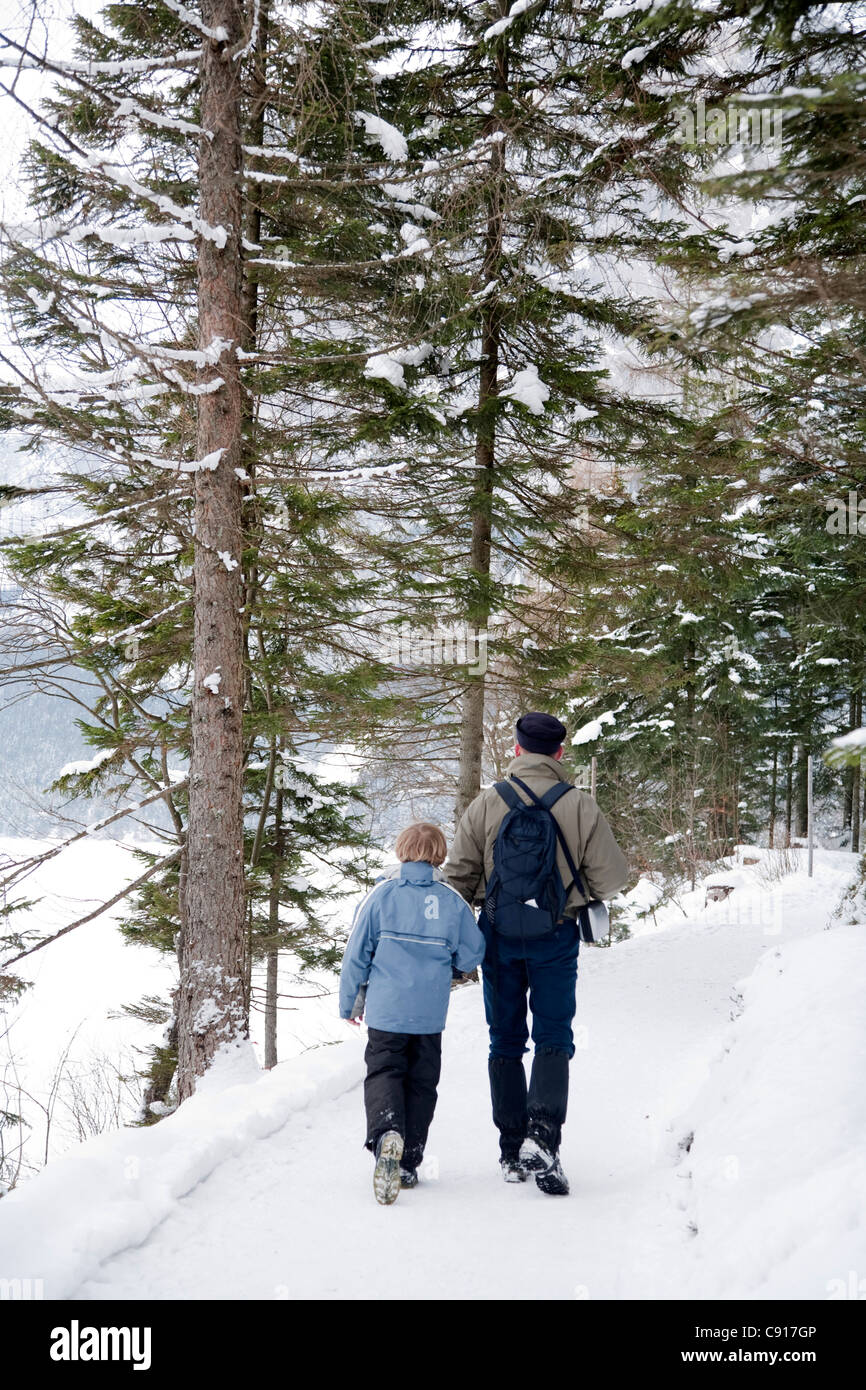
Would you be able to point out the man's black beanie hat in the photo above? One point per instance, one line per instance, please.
(540, 733)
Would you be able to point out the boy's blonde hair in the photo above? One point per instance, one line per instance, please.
(422, 841)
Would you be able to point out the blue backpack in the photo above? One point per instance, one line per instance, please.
(526, 896)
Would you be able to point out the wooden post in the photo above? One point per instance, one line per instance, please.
(810, 828)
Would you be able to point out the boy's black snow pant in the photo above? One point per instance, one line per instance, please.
(546, 970)
(400, 1088)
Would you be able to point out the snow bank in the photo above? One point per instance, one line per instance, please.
(638, 905)
(776, 1177)
(113, 1191)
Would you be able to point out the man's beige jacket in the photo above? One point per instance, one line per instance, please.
(601, 862)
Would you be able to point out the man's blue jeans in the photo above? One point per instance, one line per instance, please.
(546, 971)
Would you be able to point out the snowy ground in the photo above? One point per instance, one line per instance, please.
(79, 983)
(259, 1188)
(67, 1033)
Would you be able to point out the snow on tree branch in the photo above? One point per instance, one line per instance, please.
(219, 34)
(125, 106)
(253, 35)
(393, 142)
(53, 230)
(93, 68)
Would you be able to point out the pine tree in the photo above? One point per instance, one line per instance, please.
(524, 190)
(151, 552)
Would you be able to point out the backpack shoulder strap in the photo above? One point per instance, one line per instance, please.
(508, 794)
(550, 798)
(529, 792)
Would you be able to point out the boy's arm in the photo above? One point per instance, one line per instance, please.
(357, 959)
(470, 943)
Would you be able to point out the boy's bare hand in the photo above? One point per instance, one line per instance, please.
(355, 1022)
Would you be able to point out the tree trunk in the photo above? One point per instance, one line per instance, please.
(472, 705)
(271, 1009)
(802, 806)
(771, 837)
(211, 996)
(789, 789)
(848, 804)
(254, 137)
(855, 784)
(274, 929)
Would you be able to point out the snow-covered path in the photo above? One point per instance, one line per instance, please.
(291, 1214)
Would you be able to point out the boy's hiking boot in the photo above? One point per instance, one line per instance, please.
(386, 1174)
(512, 1168)
(537, 1158)
(408, 1177)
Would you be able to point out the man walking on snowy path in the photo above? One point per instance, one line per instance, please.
(533, 944)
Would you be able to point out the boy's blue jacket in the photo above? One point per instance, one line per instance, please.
(406, 934)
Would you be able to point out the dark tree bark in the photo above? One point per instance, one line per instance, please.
(211, 1001)
(273, 960)
(254, 137)
(271, 1009)
(855, 784)
(771, 836)
(802, 807)
(789, 789)
(472, 706)
(848, 805)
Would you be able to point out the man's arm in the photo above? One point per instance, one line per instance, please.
(604, 867)
(464, 867)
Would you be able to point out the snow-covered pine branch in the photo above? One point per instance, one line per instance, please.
(124, 106)
(95, 68)
(218, 33)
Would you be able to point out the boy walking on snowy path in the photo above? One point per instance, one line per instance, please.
(556, 853)
(409, 933)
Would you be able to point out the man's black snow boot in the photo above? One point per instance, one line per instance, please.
(553, 1181)
(408, 1177)
(537, 1158)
